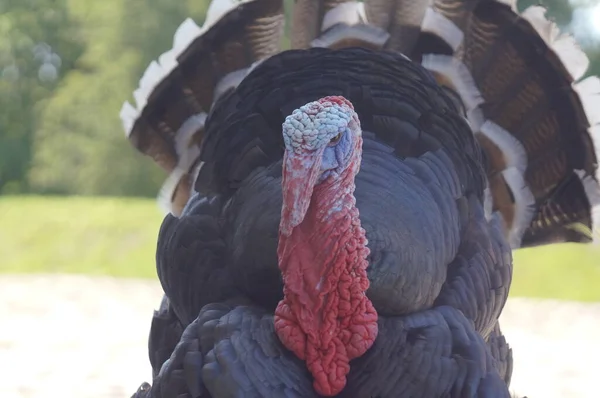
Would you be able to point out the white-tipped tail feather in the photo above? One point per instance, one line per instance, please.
(588, 90)
(454, 72)
(364, 33)
(167, 191)
(514, 152)
(589, 93)
(511, 3)
(462, 81)
(436, 23)
(349, 13)
(157, 71)
(184, 36)
(577, 63)
(592, 191)
(347, 22)
(514, 175)
(188, 153)
(184, 135)
(165, 195)
(233, 79)
(564, 45)
(128, 115)
(250, 31)
(524, 205)
(488, 202)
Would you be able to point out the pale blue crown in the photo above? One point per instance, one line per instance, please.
(313, 125)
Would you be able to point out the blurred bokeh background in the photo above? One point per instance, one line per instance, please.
(76, 198)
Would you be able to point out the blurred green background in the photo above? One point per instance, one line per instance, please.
(74, 195)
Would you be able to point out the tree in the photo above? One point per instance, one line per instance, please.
(38, 45)
(80, 147)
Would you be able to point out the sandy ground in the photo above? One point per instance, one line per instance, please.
(67, 336)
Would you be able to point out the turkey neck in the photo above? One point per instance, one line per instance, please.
(325, 317)
(326, 244)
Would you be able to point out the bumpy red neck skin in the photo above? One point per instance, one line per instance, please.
(325, 317)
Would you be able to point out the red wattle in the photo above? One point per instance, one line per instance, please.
(325, 317)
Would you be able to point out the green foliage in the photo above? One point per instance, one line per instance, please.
(80, 147)
(38, 44)
(107, 236)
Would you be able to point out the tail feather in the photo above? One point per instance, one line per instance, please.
(341, 36)
(564, 46)
(176, 93)
(378, 24)
(437, 24)
(309, 17)
(402, 19)
(517, 78)
(334, 24)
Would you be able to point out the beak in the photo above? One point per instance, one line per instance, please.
(300, 174)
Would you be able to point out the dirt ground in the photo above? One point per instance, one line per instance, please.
(72, 336)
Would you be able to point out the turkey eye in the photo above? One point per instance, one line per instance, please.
(335, 139)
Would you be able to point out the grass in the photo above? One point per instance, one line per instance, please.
(562, 271)
(99, 236)
(117, 237)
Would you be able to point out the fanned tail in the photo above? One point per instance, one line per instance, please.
(518, 79)
(176, 93)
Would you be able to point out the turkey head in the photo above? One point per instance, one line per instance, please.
(325, 317)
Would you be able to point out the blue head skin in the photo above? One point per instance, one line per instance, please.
(322, 139)
(337, 154)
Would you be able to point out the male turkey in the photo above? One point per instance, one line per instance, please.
(342, 214)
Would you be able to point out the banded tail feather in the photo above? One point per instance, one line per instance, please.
(517, 79)
(535, 119)
(334, 24)
(176, 93)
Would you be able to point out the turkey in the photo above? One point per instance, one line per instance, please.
(341, 215)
